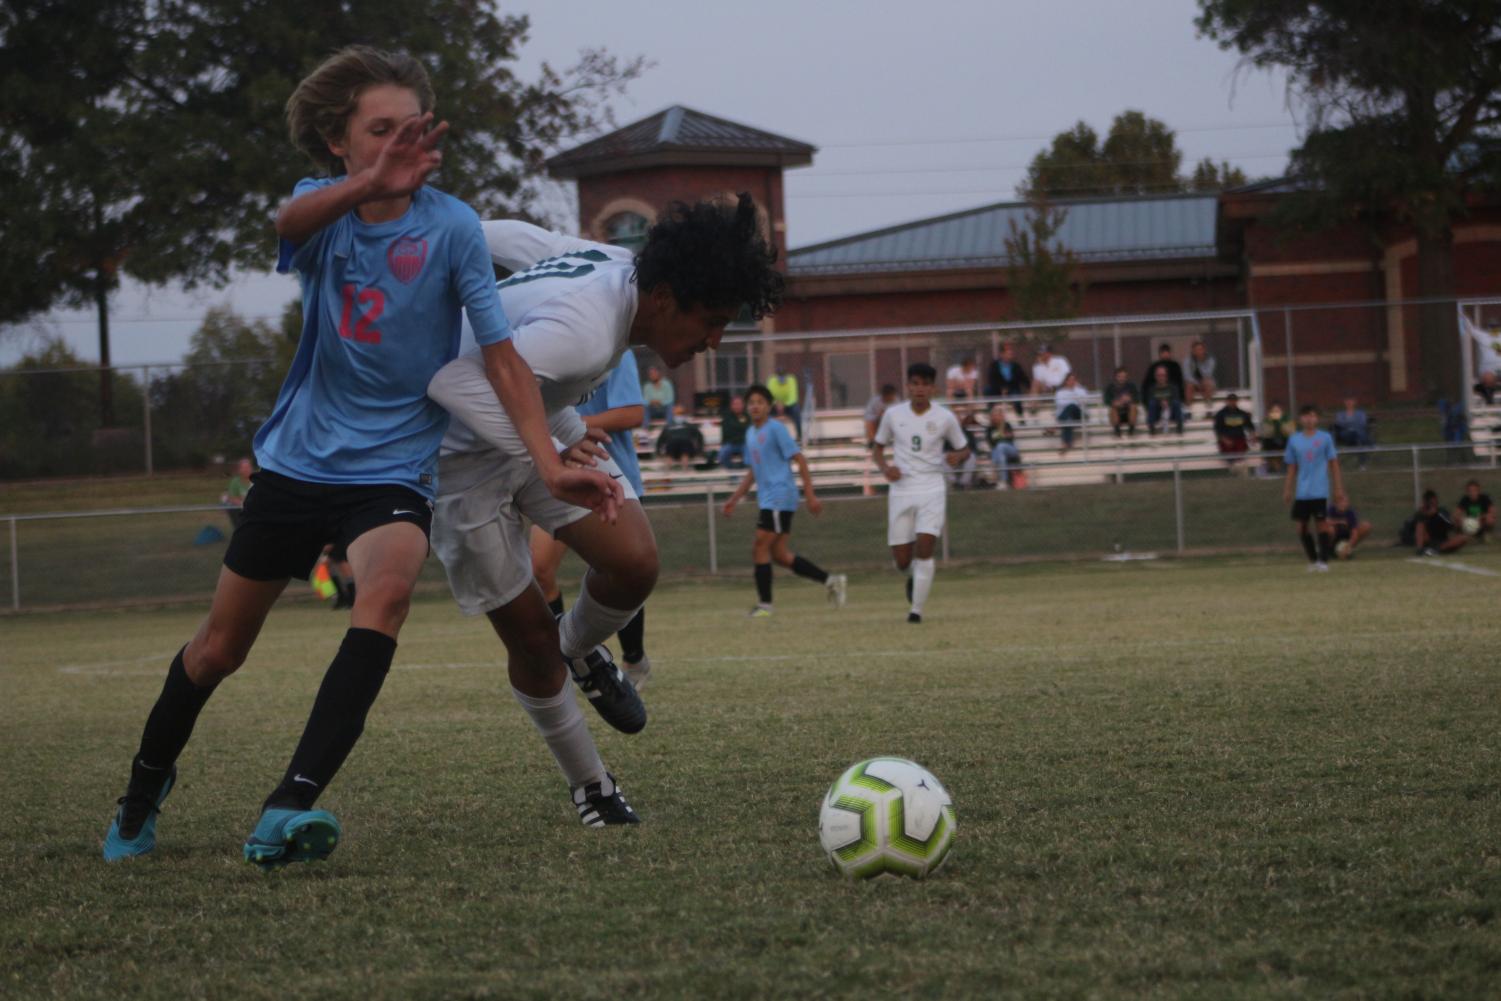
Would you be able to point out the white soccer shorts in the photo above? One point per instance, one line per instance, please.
(911, 515)
(480, 524)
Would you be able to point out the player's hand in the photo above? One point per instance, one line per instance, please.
(408, 157)
(587, 451)
(729, 508)
(815, 506)
(892, 473)
(1340, 500)
(587, 488)
(954, 459)
(1287, 497)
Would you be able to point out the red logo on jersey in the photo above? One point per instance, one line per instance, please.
(406, 257)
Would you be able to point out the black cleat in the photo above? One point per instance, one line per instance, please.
(914, 618)
(610, 692)
(601, 804)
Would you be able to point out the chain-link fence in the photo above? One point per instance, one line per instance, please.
(116, 557)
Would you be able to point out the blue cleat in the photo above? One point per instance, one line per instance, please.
(132, 830)
(284, 836)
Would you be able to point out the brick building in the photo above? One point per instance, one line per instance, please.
(1137, 255)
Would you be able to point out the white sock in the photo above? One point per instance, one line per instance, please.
(561, 723)
(922, 582)
(588, 624)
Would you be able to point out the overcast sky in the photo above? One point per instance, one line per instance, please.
(916, 110)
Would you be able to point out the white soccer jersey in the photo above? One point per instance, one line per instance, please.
(916, 443)
(570, 303)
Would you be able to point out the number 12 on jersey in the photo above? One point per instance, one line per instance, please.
(373, 303)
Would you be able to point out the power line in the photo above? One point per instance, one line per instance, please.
(815, 173)
(1040, 138)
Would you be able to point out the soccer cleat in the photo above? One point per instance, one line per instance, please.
(132, 830)
(1427, 551)
(611, 695)
(284, 835)
(914, 618)
(601, 804)
(838, 589)
(1321, 567)
(761, 612)
(639, 672)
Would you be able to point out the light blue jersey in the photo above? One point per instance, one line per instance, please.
(771, 449)
(381, 313)
(621, 389)
(1311, 455)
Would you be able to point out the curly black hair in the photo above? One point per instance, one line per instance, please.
(712, 254)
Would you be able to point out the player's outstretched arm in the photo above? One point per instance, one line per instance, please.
(815, 506)
(617, 419)
(746, 482)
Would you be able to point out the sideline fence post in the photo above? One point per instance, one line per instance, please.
(713, 538)
(146, 413)
(1417, 480)
(1178, 501)
(15, 570)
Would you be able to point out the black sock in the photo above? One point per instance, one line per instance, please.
(763, 582)
(1313, 555)
(344, 699)
(1326, 546)
(556, 606)
(167, 728)
(804, 568)
(633, 638)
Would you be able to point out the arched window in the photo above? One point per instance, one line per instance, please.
(626, 229)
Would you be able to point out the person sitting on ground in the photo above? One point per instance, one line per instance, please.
(1349, 529)
(1005, 376)
(874, 408)
(1068, 408)
(1275, 431)
(1123, 402)
(681, 440)
(659, 395)
(1477, 512)
(1201, 374)
(1352, 426)
(233, 497)
(1048, 371)
(1435, 531)
(1488, 388)
(732, 427)
(1000, 439)
(1174, 374)
(1234, 429)
(962, 381)
(1164, 399)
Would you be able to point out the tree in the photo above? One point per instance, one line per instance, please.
(146, 137)
(1404, 124)
(1041, 269)
(1211, 176)
(1139, 156)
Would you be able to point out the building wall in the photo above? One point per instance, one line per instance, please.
(654, 188)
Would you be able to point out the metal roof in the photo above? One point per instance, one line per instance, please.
(1096, 229)
(680, 135)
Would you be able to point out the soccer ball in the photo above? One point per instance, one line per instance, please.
(1342, 549)
(1470, 526)
(886, 815)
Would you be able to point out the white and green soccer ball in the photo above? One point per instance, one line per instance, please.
(887, 815)
(1470, 525)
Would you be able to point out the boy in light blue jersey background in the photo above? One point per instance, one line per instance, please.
(1312, 464)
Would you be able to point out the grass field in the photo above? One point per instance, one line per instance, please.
(1208, 778)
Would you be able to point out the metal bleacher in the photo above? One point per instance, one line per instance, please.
(834, 442)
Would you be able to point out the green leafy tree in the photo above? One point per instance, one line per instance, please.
(146, 137)
(1139, 155)
(1404, 124)
(1043, 273)
(47, 417)
(1211, 176)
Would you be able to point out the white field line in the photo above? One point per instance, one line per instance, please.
(1429, 561)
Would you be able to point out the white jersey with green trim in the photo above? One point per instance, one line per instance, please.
(916, 444)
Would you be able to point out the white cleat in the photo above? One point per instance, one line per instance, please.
(838, 589)
(1321, 567)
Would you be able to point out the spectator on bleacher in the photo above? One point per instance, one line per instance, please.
(1069, 404)
(659, 395)
(1000, 440)
(233, 497)
(1234, 429)
(1352, 426)
(784, 398)
(1435, 531)
(1349, 530)
(1123, 402)
(681, 440)
(732, 427)
(1275, 431)
(1174, 374)
(963, 380)
(1200, 383)
(1164, 398)
(1048, 371)
(875, 407)
(1487, 388)
(1477, 512)
(1005, 376)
